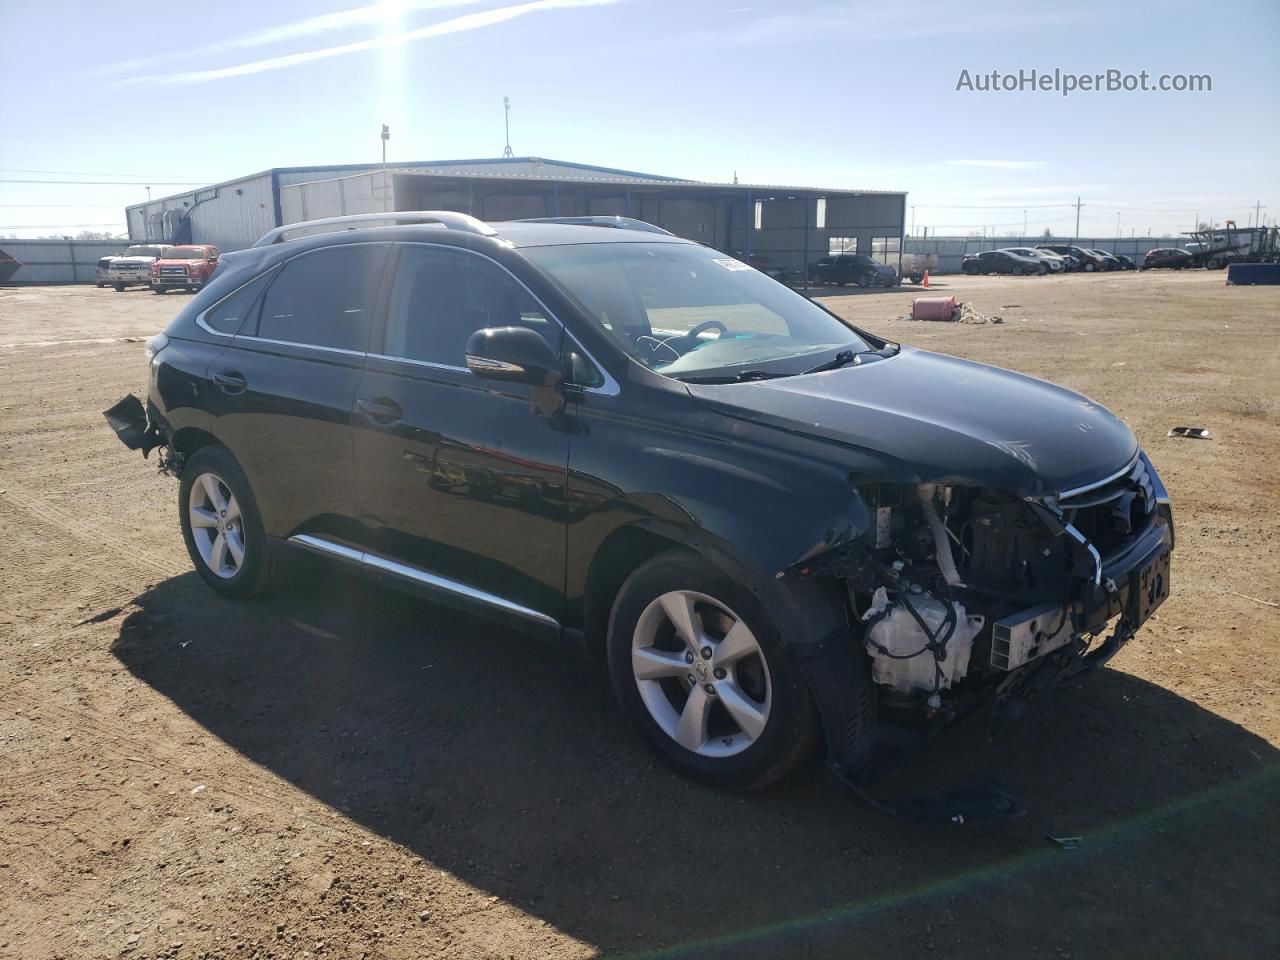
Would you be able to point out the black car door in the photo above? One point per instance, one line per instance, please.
(283, 388)
(460, 482)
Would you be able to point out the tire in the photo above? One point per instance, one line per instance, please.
(1088, 268)
(779, 729)
(119, 287)
(158, 290)
(262, 565)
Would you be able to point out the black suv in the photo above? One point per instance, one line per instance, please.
(777, 529)
(845, 268)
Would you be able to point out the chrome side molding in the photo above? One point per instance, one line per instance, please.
(375, 562)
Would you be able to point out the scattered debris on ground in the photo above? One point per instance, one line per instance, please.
(1195, 433)
(947, 310)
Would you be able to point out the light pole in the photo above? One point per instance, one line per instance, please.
(386, 135)
(913, 220)
(506, 119)
(1024, 226)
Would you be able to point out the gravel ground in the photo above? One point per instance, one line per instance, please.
(341, 771)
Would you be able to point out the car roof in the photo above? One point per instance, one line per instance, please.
(524, 233)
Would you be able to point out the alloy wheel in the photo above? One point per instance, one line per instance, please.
(216, 525)
(701, 674)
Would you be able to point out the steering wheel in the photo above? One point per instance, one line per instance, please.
(706, 325)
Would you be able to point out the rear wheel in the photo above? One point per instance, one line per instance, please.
(223, 529)
(119, 287)
(698, 665)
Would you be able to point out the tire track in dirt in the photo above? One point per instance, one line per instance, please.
(89, 531)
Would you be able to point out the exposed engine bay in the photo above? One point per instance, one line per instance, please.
(965, 594)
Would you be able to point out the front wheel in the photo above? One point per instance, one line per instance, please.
(119, 287)
(223, 529)
(699, 666)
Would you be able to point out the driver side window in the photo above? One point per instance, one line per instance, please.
(440, 297)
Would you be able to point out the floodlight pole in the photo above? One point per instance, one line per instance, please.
(386, 135)
(506, 118)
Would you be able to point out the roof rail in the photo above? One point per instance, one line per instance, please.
(620, 223)
(446, 218)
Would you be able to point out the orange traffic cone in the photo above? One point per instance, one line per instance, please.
(926, 279)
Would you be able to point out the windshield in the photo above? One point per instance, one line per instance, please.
(186, 253)
(685, 309)
(142, 252)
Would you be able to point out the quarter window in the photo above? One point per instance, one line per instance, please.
(441, 297)
(229, 314)
(325, 298)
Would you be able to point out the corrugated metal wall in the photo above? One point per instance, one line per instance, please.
(232, 215)
(362, 193)
(53, 261)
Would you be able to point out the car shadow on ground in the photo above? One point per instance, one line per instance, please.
(502, 760)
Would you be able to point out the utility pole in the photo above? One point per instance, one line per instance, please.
(506, 115)
(1117, 223)
(1257, 216)
(148, 194)
(1077, 236)
(386, 135)
(913, 219)
(1024, 225)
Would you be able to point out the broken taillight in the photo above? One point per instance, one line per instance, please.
(154, 345)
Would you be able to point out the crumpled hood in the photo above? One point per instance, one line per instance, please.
(934, 418)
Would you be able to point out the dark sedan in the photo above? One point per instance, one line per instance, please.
(1170, 257)
(1002, 261)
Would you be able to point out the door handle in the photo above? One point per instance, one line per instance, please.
(380, 409)
(230, 381)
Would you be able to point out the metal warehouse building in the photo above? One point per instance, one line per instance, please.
(786, 226)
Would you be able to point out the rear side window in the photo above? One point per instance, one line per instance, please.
(325, 298)
(228, 315)
(440, 297)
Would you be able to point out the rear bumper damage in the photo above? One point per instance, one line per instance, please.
(128, 418)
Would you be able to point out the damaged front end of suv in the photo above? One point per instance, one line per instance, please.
(965, 595)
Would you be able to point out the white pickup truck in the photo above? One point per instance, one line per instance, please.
(133, 267)
(916, 265)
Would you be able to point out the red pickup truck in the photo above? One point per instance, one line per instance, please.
(186, 267)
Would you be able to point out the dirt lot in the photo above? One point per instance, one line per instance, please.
(344, 772)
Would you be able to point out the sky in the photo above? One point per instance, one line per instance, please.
(808, 92)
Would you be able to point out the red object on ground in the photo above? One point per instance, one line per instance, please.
(926, 279)
(932, 308)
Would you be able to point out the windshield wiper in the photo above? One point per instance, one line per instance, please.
(839, 360)
(741, 376)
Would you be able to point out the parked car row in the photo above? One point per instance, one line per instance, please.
(1050, 258)
(160, 266)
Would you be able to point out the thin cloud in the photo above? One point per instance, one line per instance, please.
(374, 13)
(471, 21)
(997, 164)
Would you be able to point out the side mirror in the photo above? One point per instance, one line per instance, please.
(513, 354)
